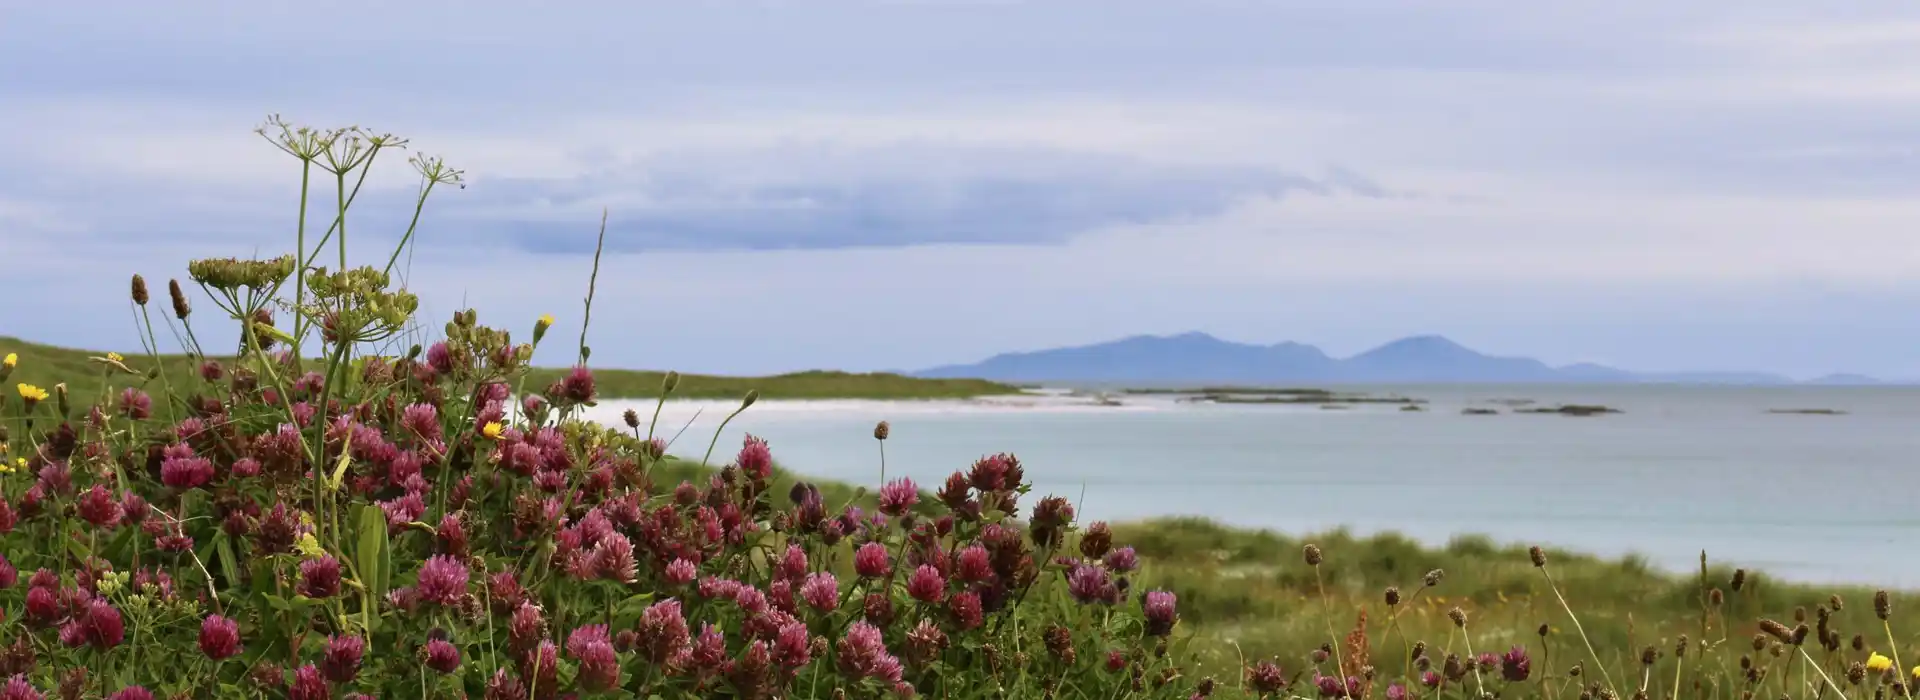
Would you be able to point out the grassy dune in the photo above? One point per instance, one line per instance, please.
(44, 365)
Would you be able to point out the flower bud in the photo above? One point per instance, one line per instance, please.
(139, 290)
(752, 396)
(181, 309)
(882, 430)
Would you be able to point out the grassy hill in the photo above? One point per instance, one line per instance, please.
(46, 365)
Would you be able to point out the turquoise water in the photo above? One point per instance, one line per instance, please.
(1806, 497)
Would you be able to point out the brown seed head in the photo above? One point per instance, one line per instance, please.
(1649, 655)
(1882, 605)
(1716, 598)
(1835, 603)
(881, 430)
(1859, 643)
(1434, 577)
(1538, 555)
(1393, 596)
(1574, 672)
(1680, 647)
(139, 290)
(1544, 630)
(181, 309)
(1759, 642)
(1800, 614)
(1458, 616)
(632, 418)
(1800, 634)
(1312, 552)
(1739, 580)
(1776, 630)
(1419, 650)
(1856, 673)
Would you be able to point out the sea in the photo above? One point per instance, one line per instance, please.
(1680, 470)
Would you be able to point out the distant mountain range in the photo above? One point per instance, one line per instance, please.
(1201, 358)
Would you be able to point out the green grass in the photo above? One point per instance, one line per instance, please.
(1251, 592)
(46, 365)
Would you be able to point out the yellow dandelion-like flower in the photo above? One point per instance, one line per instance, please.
(31, 393)
(491, 430)
(11, 360)
(116, 357)
(546, 321)
(1878, 663)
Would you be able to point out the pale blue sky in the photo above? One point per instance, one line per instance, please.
(1655, 185)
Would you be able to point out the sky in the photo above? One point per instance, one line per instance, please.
(895, 185)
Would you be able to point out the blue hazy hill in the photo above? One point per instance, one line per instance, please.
(1200, 358)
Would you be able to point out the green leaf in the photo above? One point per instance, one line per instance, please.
(277, 602)
(223, 547)
(371, 555)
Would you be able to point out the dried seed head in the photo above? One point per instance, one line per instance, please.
(1835, 603)
(1419, 650)
(1538, 555)
(1680, 647)
(1649, 655)
(1882, 604)
(1313, 555)
(1859, 643)
(1746, 662)
(1800, 614)
(1544, 630)
(1434, 577)
(1739, 580)
(1458, 616)
(181, 309)
(1759, 642)
(139, 290)
(1800, 635)
(1574, 672)
(1393, 596)
(1716, 598)
(632, 418)
(1856, 673)
(881, 430)
(1776, 630)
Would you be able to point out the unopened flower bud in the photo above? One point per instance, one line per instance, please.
(752, 396)
(181, 309)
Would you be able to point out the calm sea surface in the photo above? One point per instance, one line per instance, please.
(1807, 497)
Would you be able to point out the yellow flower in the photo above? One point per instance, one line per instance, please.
(491, 430)
(540, 327)
(546, 321)
(32, 393)
(11, 360)
(309, 547)
(1879, 664)
(116, 357)
(1916, 672)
